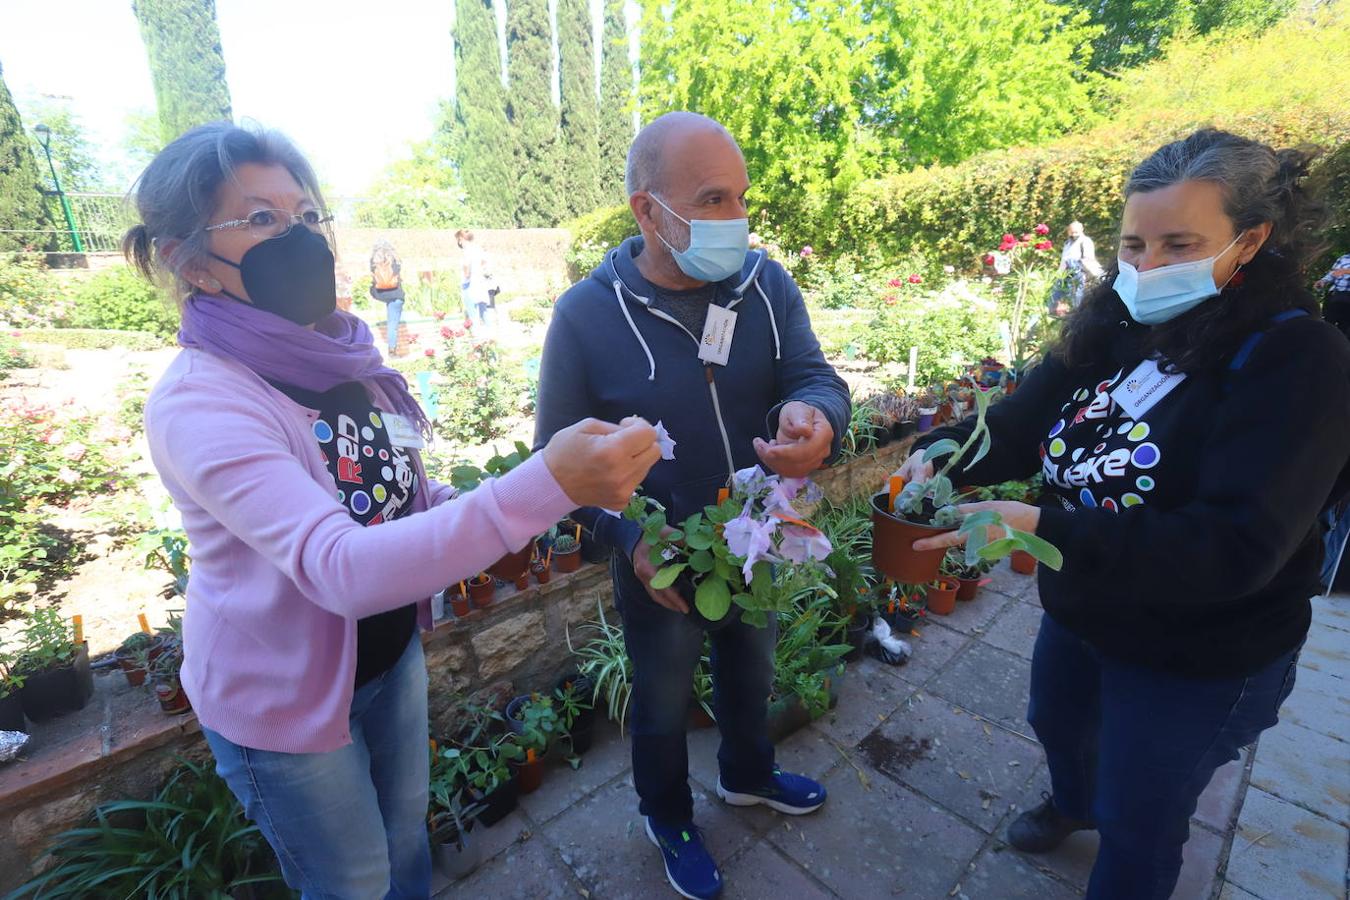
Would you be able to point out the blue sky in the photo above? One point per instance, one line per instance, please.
(351, 81)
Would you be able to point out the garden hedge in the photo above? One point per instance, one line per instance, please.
(93, 338)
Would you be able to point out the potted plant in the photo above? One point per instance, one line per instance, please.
(970, 577)
(522, 580)
(481, 588)
(11, 706)
(940, 596)
(54, 663)
(1023, 563)
(457, 595)
(135, 654)
(927, 412)
(478, 762)
(604, 660)
(700, 710)
(751, 551)
(566, 553)
(902, 609)
(861, 435)
(168, 685)
(534, 724)
(542, 570)
(911, 512)
(450, 822)
(903, 413)
(576, 708)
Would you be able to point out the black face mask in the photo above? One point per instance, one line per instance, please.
(291, 276)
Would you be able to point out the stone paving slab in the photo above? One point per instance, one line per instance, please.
(764, 873)
(1200, 860)
(868, 695)
(967, 766)
(608, 757)
(1320, 700)
(992, 682)
(1283, 852)
(1332, 612)
(934, 647)
(1233, 892)
(1306, 768)
(1218, 805)
(974, 616)
(1015, 629)
(879, 841)
(1004, 874)
(1003, 580)
(526, 871)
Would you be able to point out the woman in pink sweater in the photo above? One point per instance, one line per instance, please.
(282, 437)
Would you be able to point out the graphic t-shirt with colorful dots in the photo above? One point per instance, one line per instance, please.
(1097, 456)
(376, 482)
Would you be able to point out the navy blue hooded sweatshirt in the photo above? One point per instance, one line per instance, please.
(610, 354)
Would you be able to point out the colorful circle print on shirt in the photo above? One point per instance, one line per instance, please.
(1095, 456)
(376, 481)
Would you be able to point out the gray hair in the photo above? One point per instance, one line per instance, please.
(175, 197)
(1259, 184)
(645, 168)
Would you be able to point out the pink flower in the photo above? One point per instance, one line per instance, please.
(916, 279)
(67, 476)
(807, 251)
(750, 539)
(438, 315)
(1028, 237)
(446, 332)
(1007, 245)
(1042, 229)
(890, 300)
(895, 282)
(989, 259)
(75, 452)
(799, 544)
(430, 351)
(1045, 245)
(1008, 239)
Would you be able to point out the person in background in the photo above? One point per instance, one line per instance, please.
(284, 441)
(386, 286)
(629, 338)
(475, 282)
(1186, 514)
(1336, 307)
(1078, 261)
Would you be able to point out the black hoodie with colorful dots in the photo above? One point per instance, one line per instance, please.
(1189, 531)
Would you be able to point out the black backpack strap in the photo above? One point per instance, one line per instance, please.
(1250, 344)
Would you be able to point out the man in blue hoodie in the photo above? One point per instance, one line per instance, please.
(684, 326)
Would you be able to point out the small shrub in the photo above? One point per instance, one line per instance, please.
(118, 299)
(478, 391)
(951, 328)
(29, 295)
(94, 339)
(12, 355)
(528, 314)
(595, 234)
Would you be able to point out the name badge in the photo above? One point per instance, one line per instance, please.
(717, 331)
(401, 431)
(1143, 388)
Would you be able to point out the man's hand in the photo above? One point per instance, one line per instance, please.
(642, 565)
(802, 444)
(601, 464)
(1021, 516)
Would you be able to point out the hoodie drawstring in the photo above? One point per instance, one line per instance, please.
(651, 360)
(773, 322)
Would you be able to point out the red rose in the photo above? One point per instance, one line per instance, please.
(446, 332)
(1028, 237)
(1042, 229)
(430, 352)
(1045, 245)
(890, 301)
(1009, 239)
(895, 282)
(916, 279)
(438, 315)
(989, 259)
(1006, 246)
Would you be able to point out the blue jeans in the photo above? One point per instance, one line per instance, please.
(1132, 749)
(665, 647)
(350, 823)
(393, 315)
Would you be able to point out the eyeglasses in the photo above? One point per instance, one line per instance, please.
(265, 224)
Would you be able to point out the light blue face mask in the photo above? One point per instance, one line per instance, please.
(717, 247)
(1160, 295)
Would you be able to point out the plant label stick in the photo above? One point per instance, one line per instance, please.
(896, 486)
(145, 623)
(78, 622)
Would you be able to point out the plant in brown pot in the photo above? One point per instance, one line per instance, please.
(566, 552)
(940, 596)
(135, 654)
(165, 675)
(970, 577)
(481, 588)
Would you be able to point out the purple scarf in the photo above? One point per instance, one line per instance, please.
(337, 350)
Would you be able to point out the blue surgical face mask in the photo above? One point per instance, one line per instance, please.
(717, 247)
(1160, 295)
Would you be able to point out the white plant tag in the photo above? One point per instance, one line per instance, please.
(1143, 388)
(401, 431)
(717, 331)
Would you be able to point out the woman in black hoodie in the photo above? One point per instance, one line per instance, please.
(1191, 423)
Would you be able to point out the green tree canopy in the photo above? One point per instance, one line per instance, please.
(1136, 31)
(25, 219)
(420, 192)
(580, 136)
(187, 66)
(534, 118)
(616, 103)
(71, 151)
(479, 134)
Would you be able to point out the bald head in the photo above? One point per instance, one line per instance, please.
(665, 143)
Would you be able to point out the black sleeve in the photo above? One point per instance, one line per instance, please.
(1016, 428)
(1280, 438)
(564, 400)
(806, 374)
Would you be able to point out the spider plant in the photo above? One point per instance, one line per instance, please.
(604, 660)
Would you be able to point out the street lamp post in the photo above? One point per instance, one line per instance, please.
(44, 135)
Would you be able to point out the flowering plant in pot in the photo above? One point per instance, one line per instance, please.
(135, 654)
(751, 551)
(55, 666)
(534, 723)
(923, 509)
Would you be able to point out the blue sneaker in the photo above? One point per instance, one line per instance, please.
(689, 868)
(795, 795)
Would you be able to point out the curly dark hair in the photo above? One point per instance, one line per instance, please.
(1260, 184)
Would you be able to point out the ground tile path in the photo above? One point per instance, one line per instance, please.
(926, 765)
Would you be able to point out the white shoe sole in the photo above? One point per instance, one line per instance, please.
(736, 799)
(652, 837)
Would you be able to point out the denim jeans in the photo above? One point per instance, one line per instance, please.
(1131, 749)
(350, 823)
(665, 647)
(393, 315)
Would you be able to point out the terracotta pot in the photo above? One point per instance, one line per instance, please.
(522, 581)
(1023, 563)
(567, 562)
(459, 603)
(893, 552)
(512, 564)
(135, 674)
(529, 775)
(173, 700)
(542, 573)
(481, 592)
(698, 716)
(941, 600)
(970, 587)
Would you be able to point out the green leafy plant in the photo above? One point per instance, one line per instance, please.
(465, 477)
(11, 682)
(190, 841)
(934, 502)
(47, 642)
(954, 565)
(167, 549)
(565, 543)
(120, 300)
(604, 660)
(803, 661)
(478, 391)
(539, 723)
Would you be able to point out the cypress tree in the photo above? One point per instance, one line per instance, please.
(616, 103)
(187, 66)
(22, 207)
(580, 136)
(480, 135)
(534, 118)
